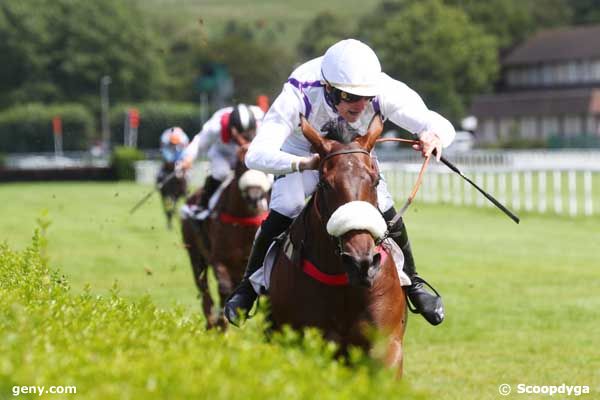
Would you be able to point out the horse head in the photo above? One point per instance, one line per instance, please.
(254, 185)
(346, 199)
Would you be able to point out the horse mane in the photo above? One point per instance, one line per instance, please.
(340, 131)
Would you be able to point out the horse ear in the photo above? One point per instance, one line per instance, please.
(311, 134)
(373, 132)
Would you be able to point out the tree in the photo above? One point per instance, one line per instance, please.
(256, 67)
(439, 52)
(511, 21)
(57, 50)
(320, 33)
(586, 12)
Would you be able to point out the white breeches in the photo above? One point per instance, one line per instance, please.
(290, 192)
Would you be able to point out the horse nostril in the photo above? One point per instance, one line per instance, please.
(364, 263)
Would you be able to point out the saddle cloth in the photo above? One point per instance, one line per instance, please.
(198, 213)
(262, 277)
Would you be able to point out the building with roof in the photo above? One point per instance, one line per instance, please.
(550, 87)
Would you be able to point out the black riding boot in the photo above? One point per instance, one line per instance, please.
(243, 297)
(425, 303)
(210, 187)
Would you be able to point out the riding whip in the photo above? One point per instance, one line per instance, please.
(453, 167)
(149, 194)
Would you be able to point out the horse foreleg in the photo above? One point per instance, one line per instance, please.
(395, 355)
(199, 266)
(225, 287)
(168, 203)
(224, 281)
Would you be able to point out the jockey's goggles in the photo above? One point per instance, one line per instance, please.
(353, 98)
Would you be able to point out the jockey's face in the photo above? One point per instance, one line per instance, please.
(351, 111)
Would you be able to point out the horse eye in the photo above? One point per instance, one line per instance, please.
(376, 181)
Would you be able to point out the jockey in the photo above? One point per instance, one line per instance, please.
(173, 142)
(216, 137)
(344, 87)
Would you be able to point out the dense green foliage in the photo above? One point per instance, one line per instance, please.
(112, 348)
(155, 117)
(57, 50)
(321, 32)
(439, 53)
(511, 21)
(28, 127)
(123, 160)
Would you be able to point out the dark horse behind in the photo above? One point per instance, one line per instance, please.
(172, 187)
(224, 239)
(334, 271)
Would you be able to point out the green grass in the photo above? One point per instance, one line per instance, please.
(94, 239)
(521, 300)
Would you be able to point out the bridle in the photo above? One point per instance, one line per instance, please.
(340, 152)
(338, 240)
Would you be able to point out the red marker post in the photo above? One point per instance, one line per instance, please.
(133, 123)
(57, 133)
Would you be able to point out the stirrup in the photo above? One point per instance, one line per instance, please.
(415, 279)
(248, 315)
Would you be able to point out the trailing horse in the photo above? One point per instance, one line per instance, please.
(334, 271)
(172, 188)
(224, 239)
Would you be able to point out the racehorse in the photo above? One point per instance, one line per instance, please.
(333, 272)
(171, 188)
(224, 239)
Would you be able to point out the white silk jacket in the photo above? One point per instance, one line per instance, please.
(279, 140)
(211, 134)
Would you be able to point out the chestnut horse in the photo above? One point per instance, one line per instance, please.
(171, 187)
(224, 239)
(338, 276)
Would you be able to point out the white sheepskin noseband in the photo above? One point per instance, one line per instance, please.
(357, 215)
(253, 177)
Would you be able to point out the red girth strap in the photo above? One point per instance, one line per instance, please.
(246, 221)
(333, 280)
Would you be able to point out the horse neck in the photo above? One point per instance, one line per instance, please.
(232, 201)
(320, 249)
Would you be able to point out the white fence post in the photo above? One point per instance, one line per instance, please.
(479, 182)
(528, 190)
(542, 195)
(490, 187)
(572, 193)
(557, 192)
(587, 189)
(516, 198)
(502, 187)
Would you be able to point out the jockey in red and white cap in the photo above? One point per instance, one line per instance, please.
(216, 140)
(343, 88)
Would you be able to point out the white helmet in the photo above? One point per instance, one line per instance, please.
(353, 67)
